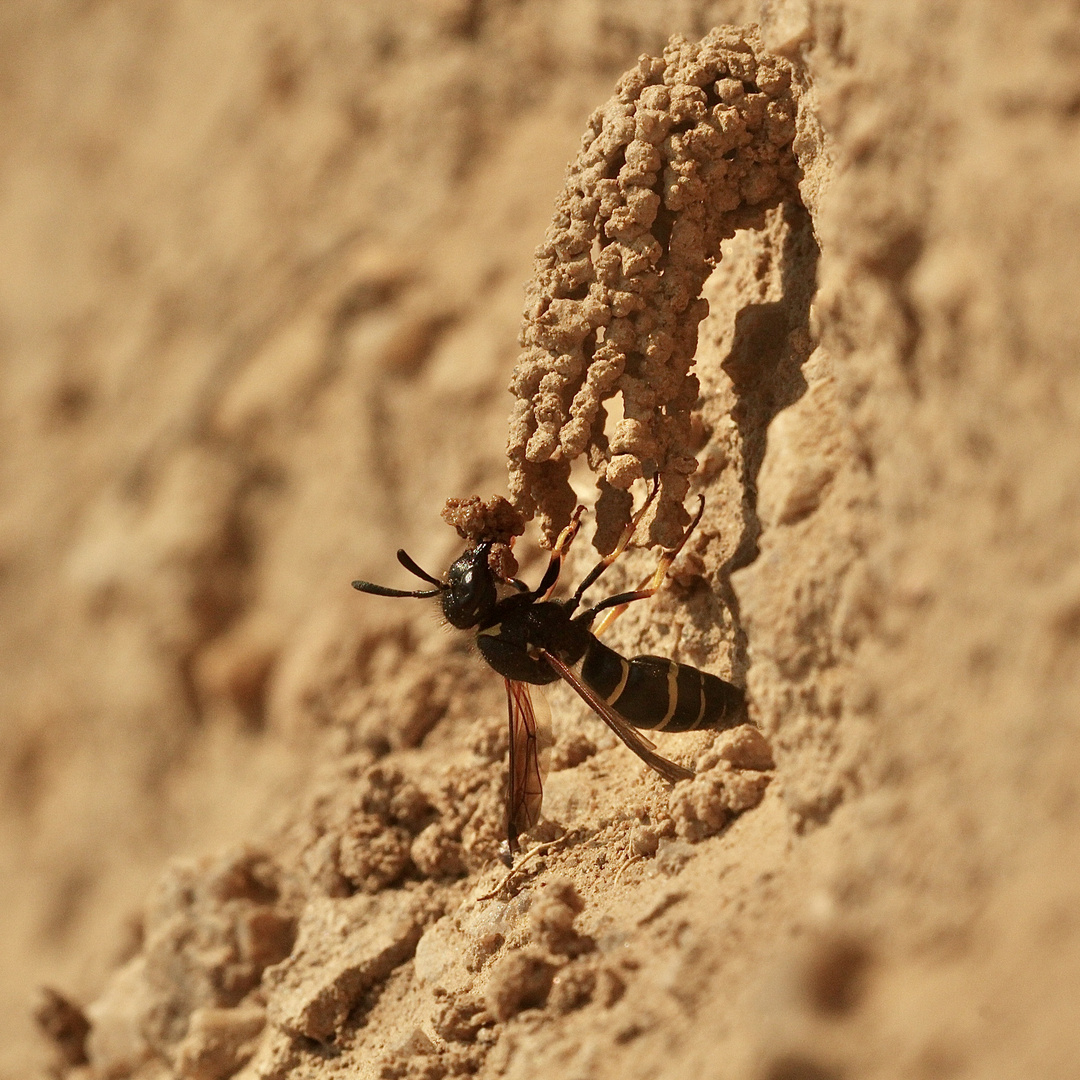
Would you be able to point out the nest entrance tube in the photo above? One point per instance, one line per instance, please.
(693, 146)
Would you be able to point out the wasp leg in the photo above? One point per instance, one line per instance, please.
(620, 547)
(616, 605)
(558, 553)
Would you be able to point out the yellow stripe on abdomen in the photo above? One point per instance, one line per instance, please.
(617, 692)
(672, 694)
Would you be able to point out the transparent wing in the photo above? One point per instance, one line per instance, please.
(529, 735)
(669, 770)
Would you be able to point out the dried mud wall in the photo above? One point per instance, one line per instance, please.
(258, 312)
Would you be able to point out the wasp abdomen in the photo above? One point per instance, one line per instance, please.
(658, 694)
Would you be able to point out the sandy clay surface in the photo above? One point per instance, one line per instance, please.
(260, 297)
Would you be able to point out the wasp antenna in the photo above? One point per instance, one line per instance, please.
(382, 590)
(406, 561)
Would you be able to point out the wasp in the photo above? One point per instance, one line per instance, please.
(532, 640)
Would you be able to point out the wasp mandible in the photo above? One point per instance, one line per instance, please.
(531, 639)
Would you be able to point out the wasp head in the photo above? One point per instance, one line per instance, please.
(470, 593)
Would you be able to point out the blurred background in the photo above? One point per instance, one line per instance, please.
(260, 287)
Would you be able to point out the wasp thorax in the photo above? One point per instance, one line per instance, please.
(470, 589)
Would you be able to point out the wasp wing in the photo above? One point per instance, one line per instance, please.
(669, 770)
(528, 737)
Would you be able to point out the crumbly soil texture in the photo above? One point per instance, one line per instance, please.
(269, 271)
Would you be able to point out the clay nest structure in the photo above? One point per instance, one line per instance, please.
(693, 146)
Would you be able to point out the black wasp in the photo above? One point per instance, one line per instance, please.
(528, 638)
